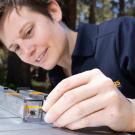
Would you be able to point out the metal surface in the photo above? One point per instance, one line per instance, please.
(26, 104)
(12, 124)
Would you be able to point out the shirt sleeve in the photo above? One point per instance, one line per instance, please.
(126, 47)
(56, 75)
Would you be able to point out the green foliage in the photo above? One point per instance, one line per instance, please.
(104, 10)
(3, 66)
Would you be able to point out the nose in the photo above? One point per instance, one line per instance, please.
(29, 51)
(28, 48)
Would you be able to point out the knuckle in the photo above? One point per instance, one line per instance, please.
(56, 113)
(97, 71)
(109, 81)
(86, 72)
(69, 96)
(65, 83)
(94, 72)
(114, 96)
(80, 110)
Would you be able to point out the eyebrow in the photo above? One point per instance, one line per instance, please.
(23, 27)
(20, 32)
(9, 48)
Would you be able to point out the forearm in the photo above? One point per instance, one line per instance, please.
(133, 122)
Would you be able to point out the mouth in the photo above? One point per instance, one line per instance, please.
(41, 56)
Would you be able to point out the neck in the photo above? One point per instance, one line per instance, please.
(66, 61)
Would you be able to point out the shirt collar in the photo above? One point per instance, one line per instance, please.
(85, 44)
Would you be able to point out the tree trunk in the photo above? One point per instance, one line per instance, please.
(92, 16)
(69, 13)
(121, 8)
(18, 72)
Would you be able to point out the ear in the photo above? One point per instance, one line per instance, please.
(55, 10)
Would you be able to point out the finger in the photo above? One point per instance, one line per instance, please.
(61, 88)
(83, 109)
(69, 84)
(69, 99)
(73, 97)
(93, 120)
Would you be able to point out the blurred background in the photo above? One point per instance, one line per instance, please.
(14, 73)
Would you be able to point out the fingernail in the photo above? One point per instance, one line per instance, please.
(54, 126)
(45, 106)
(48, 118)
(57, 124)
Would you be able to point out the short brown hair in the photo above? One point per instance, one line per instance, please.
(40, 6)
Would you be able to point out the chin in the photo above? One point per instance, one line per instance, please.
(48, 67)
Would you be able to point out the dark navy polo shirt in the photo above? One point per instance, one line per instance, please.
(110, 47)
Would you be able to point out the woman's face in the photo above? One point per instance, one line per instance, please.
(34, 37)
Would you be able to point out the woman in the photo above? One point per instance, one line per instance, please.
(84, 64)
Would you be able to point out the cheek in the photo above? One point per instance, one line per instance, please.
(41, 39)
(43, 34)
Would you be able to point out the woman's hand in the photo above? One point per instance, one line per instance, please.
(89, 99)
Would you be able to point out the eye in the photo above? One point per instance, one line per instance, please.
(29, 33)
(17, 48)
